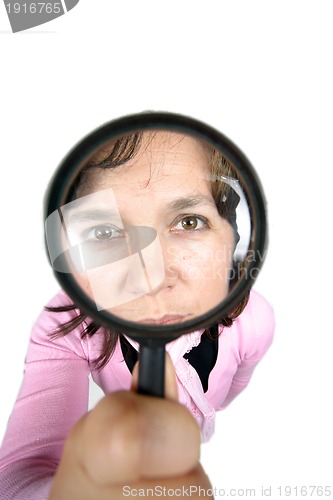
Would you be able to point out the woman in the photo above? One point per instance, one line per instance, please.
(150, 231)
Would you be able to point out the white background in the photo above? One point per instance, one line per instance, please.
(261, 72)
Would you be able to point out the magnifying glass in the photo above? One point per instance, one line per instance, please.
(155, 226)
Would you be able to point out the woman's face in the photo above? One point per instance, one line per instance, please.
(151, 242)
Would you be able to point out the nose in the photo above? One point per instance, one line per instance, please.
(145, 269)
(171, 271)
(169, 281)
(152, 271)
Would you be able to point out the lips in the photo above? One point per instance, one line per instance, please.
(165, 320)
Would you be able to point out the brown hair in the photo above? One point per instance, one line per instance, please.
(116, 153)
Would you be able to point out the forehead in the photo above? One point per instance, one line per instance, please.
(162, 160)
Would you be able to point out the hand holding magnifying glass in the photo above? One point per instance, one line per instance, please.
(111, 453)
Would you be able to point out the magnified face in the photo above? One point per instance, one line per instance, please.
(151, 232)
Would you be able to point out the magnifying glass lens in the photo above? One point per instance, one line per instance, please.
(156, 231)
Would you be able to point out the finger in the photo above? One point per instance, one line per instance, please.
(171, 390)
(195, 484)
(129, 436)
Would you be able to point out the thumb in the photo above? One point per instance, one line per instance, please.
(170, 388)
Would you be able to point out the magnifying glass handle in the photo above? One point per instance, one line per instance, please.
(152, 370)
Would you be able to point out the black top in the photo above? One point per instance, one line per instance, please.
(202, 358)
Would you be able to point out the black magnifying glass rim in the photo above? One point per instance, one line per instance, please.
(68, 170)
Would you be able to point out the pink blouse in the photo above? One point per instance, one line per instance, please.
(54, 392)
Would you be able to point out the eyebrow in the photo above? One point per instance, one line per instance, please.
(97, 214)
(191, 201)
(92, 214)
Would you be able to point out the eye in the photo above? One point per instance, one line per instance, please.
(103, 232)
(191, 223)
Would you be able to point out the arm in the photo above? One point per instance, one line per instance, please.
(52, 398)
(254, 329)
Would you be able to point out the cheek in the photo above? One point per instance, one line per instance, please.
(213, 275)
(202, 262)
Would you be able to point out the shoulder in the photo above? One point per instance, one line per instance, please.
(60, 299)
(261, 311)
(255, 326)
(54, 319)
(48, 323)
